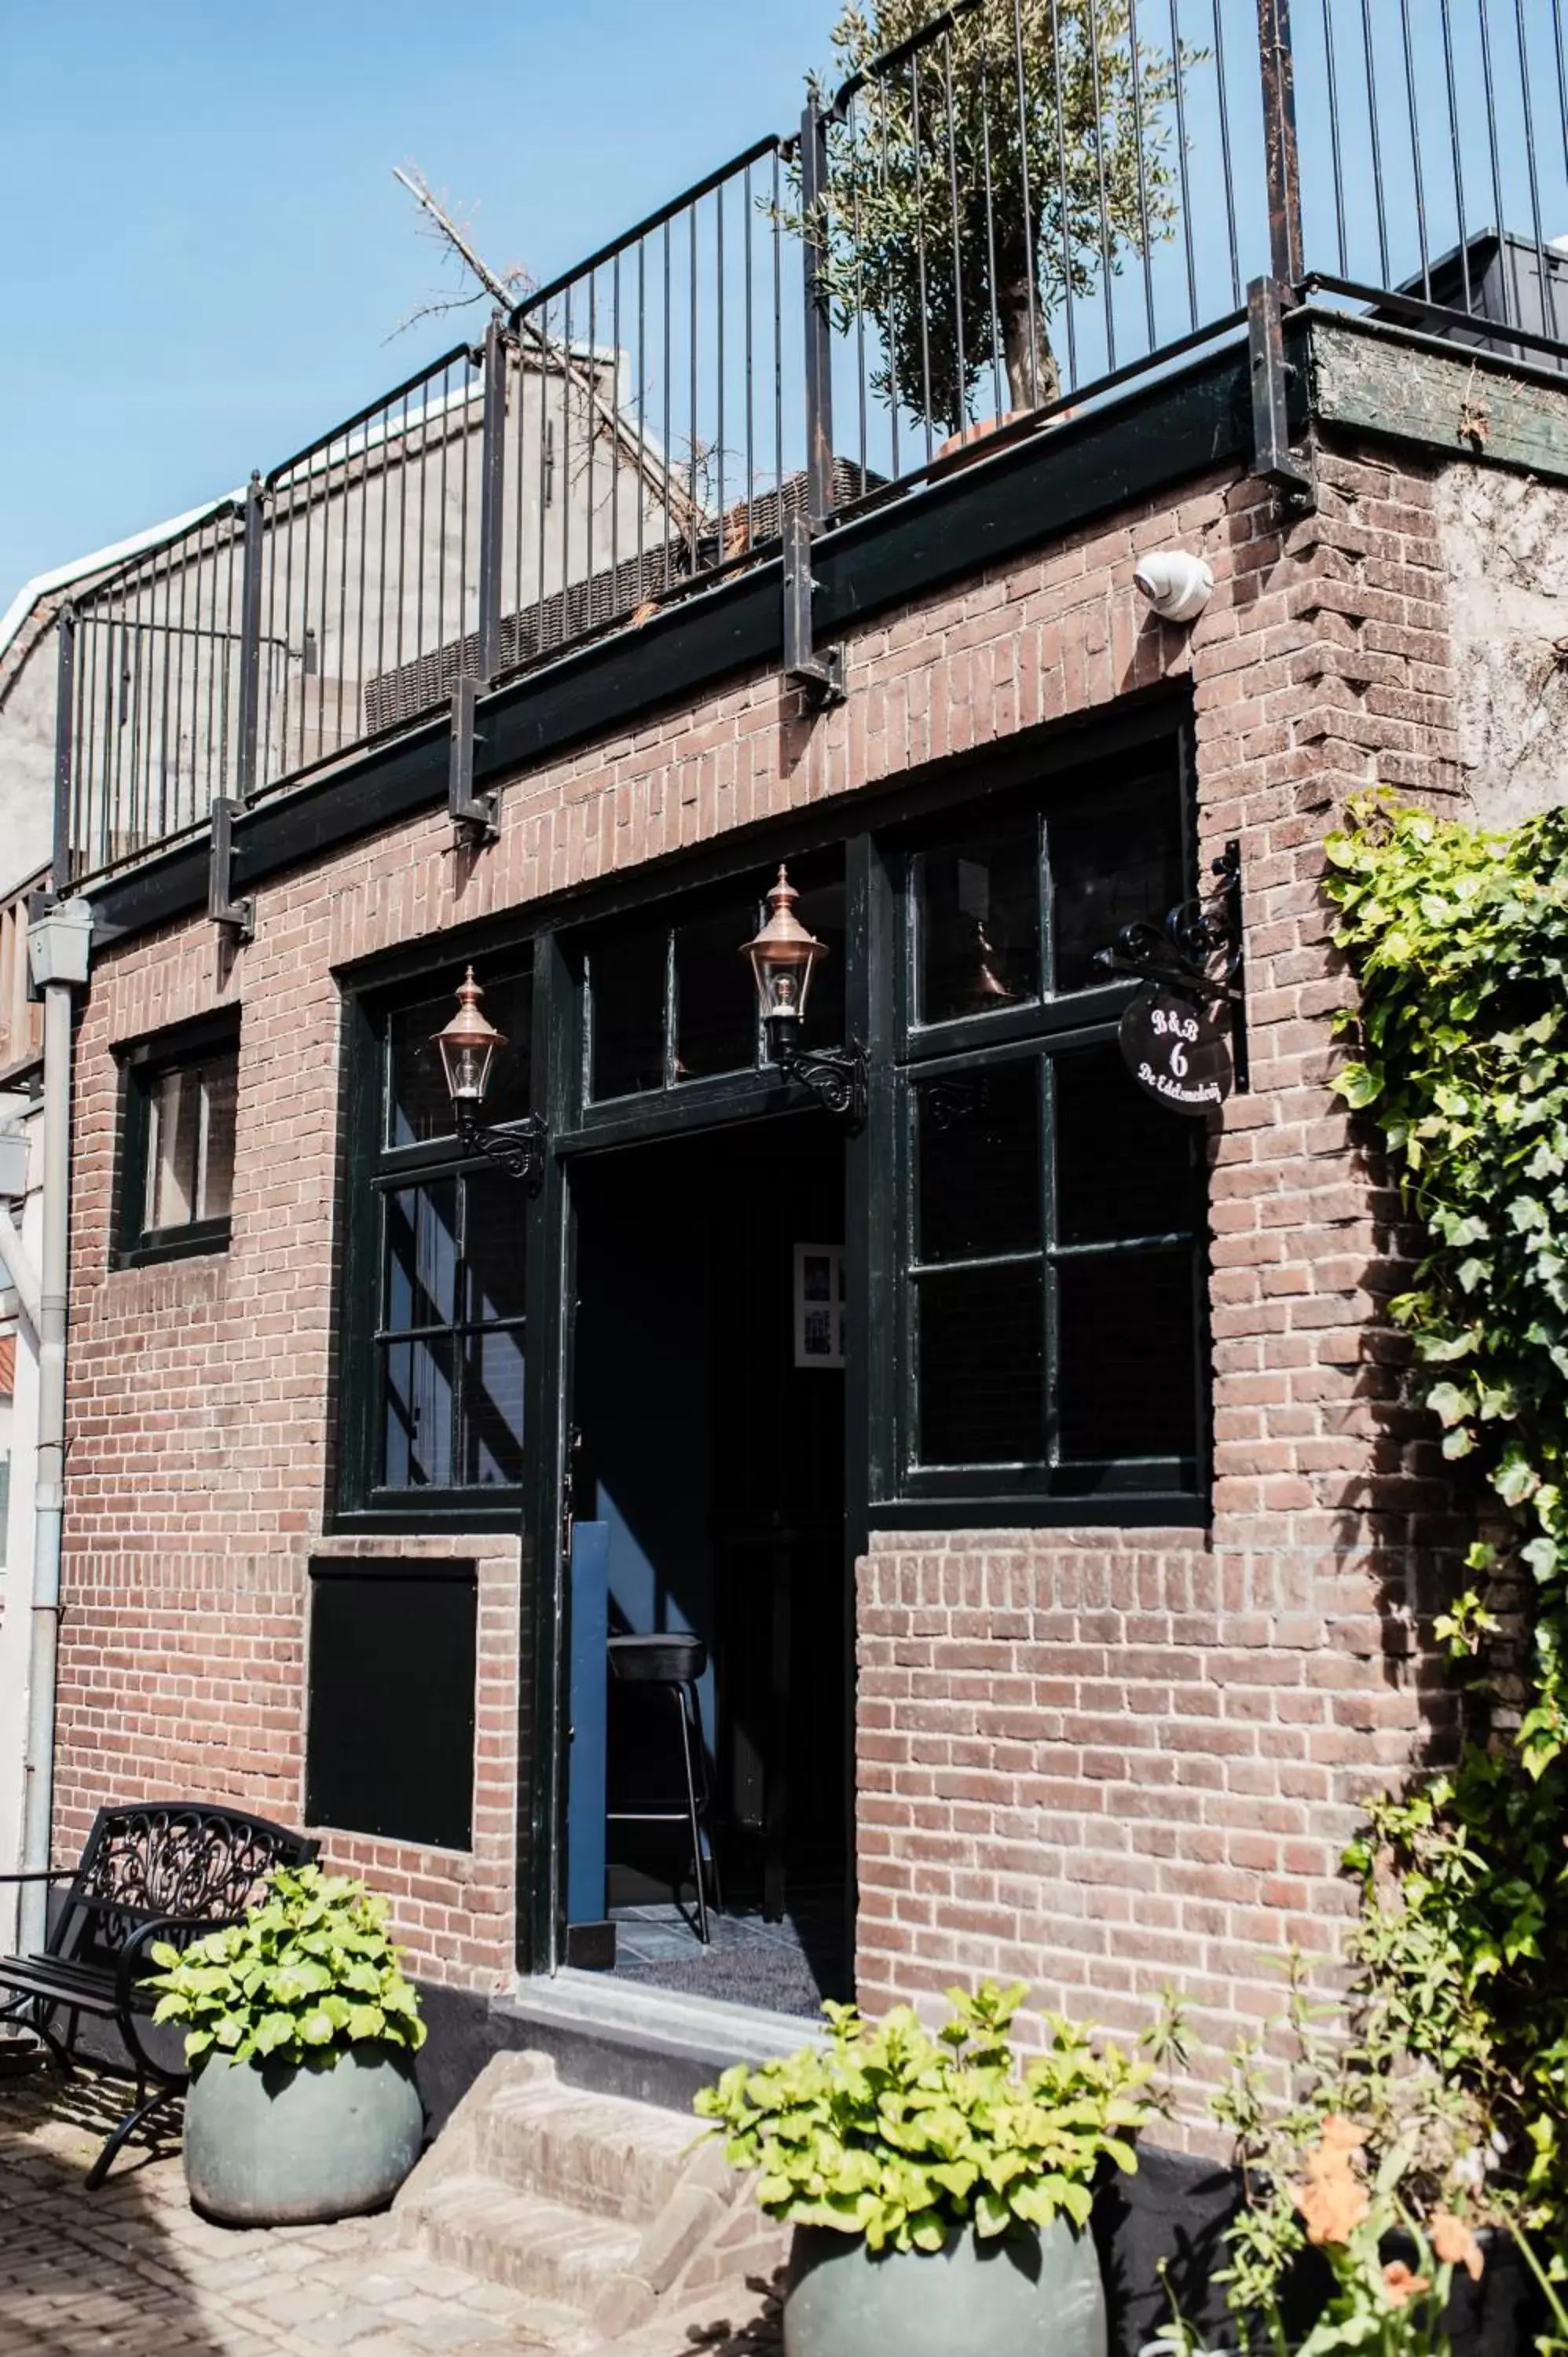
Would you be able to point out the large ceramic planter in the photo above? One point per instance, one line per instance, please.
(1034, 2295)
(268, 2145)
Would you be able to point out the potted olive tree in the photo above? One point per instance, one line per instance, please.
(302, 2027)
(993, 176)
(939, 2191)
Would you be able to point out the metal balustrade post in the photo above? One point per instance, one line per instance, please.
(65, 723)
(1277, 63)
(250, 643)
(492, 487)
(819, 354)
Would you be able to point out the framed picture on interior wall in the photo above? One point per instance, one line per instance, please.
(819, 1305)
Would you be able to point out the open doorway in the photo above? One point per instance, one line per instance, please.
(708, 1416)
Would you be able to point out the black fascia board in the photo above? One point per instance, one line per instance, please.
(977, 515)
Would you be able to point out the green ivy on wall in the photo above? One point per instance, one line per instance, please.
(1458, 938)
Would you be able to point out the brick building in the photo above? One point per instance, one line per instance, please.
(1058, 1618)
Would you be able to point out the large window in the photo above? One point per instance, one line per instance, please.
(433, 1370)
(1052, 1215)
(1025, 1230)
(177, 1161)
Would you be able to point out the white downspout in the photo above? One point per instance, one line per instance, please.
(58, 945)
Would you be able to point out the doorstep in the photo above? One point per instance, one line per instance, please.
(651, 2045)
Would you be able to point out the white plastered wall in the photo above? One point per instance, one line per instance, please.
(17, 1577)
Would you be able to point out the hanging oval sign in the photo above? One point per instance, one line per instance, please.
(1176, 1051)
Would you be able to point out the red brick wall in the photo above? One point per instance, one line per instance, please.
(1100, 1760)
(1108, 1763)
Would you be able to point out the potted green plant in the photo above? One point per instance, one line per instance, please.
(302, 2028)
(938, 2190)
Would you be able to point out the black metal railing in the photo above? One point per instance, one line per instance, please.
(368, 549)
(1009, 215)
(1017, 207)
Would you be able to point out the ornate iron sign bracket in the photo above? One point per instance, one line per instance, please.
(1197, 954)
(515, 1146)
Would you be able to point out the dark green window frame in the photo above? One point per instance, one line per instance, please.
(145, 1064)
(888, 1486)
(379, 1177)
(1048, 1483)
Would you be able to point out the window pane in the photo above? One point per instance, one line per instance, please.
(418, 1106)
(978, 1163)
(1128, 1374)
(1124, 1166)
(173, 1149)
(422, 1255)
(1116, 861)
(491, 1449)
(821, 910)
(493, 1246)
(715, 998)
(626, 984)
(977, 923)
(220, 1089)
(979, 1344)
(416, 1432)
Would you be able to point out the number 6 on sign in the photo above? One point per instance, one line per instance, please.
(1174, 1051)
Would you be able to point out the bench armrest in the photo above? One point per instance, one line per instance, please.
(129, 1968)
(130, 1964)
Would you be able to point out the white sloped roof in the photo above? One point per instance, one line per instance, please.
(83, 568)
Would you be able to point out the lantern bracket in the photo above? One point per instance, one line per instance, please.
(837, 1077)
(822, 675)
(518, 1147)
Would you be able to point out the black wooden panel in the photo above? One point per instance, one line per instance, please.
(390, 1744)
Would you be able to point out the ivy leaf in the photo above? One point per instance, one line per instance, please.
(1359, 1085)
(1449, 1403)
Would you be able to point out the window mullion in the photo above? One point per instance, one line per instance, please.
(1049, 1341)
(671, 1011)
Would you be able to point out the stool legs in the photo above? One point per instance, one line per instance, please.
(705, 1796)
(688, 1710)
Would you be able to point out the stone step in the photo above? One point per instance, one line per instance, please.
(562, 2260)
(601, 2154)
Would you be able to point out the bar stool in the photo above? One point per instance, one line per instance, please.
(675, 1662)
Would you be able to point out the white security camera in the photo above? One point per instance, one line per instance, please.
(1178, 587)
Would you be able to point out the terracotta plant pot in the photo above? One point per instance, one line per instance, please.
(1030, 2295)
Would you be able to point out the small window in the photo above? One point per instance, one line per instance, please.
(177, 1185)
(434, 1325)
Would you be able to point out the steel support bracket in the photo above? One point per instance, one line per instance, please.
(237, 917)
(478, 815)
(1274, 459)
(820, 674)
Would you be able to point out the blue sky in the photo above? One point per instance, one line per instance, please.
(205, 253)
(205, 249)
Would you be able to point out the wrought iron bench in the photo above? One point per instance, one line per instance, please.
(157, 1870)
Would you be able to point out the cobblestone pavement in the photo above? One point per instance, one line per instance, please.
(132, 2269)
